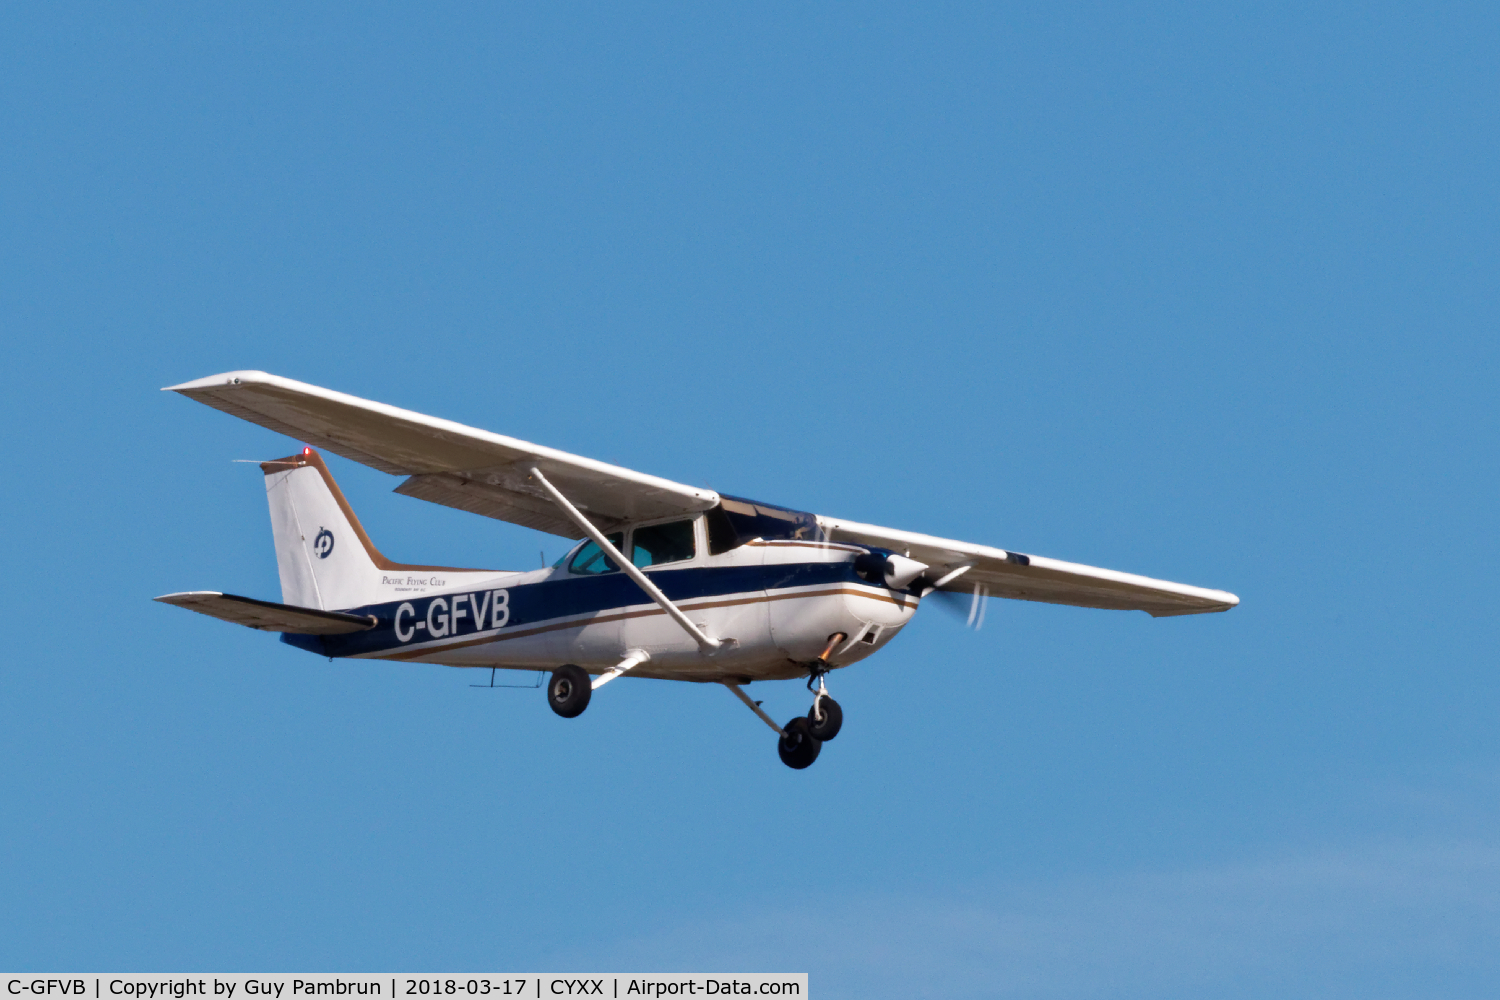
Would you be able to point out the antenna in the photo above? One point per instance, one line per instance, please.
(539, 675)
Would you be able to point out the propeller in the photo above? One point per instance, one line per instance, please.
(968, 606)
(899, 572)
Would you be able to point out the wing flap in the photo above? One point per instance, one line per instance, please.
(482, 472)
(501, 504)
(1037, 578)
(268, 616)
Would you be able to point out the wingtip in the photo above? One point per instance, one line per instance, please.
(219, 381)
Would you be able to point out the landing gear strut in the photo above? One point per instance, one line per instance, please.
(568, 692)
(796, 745)
(825, 718)
(801, 740)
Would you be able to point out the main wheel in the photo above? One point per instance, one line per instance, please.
(568, 692)
(798, 748)
(833, 720)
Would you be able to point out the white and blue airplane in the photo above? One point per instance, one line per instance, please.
(667, 581)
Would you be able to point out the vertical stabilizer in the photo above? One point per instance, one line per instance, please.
(325, 559)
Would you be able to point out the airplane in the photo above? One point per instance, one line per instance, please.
(666, 581)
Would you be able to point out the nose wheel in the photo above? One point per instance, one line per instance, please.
(825, 718)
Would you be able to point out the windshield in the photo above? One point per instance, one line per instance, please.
(736, 521)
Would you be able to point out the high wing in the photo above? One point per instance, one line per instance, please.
(267, 615)
(1035, 578)
(447, 462)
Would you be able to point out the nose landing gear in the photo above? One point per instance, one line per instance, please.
(825, 718)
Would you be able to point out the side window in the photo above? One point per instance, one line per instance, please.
(662, 543)
(591, 558)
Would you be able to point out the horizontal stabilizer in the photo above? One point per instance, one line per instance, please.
(268, 616)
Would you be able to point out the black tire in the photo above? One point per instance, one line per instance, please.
(833, 720)
(568, 692)
(798, 748)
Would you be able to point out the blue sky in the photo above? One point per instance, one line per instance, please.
(1202, 294)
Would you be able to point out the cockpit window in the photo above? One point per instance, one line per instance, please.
(591, 558)
(662, 543)
(736, 521)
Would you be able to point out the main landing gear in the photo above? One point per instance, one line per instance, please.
(798, 747)
(572, 687)
(569, 691)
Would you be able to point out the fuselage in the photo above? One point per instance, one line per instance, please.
(773, 604)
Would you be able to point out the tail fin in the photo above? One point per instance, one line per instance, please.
(323, 555)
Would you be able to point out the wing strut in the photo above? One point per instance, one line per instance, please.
(707, 644)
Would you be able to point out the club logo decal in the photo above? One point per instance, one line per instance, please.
(323, 544)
